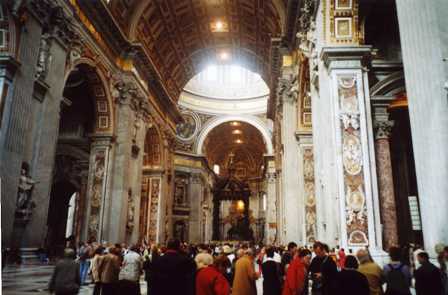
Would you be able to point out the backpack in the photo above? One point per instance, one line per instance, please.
(397, 283)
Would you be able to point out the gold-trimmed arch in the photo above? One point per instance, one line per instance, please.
(153, 157)
(99, 90)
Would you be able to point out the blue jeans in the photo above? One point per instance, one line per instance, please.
(84, 266)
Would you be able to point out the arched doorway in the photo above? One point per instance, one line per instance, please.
(150, 212)
(85, 112)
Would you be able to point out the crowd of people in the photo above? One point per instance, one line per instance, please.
(179, 268)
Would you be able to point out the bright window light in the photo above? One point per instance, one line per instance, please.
(264, 202)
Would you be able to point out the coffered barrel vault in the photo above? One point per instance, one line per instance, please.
(179, 37)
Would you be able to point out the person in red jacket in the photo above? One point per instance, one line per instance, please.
(209, 277)
(296, 276)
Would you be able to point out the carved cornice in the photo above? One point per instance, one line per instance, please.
(345, 54)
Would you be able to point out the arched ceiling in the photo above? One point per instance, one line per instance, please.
(179, 38)
(248, 148)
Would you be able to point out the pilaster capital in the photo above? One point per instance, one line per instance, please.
(288, 88)
(383, 129)
(196, 178)
(127, 93)
(271, 176)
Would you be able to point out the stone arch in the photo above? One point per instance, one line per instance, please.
(153, 149)
(252, 120)
(391, 85)
(104, 110)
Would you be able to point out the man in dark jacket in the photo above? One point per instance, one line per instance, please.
(66, 279)
(328, 270)
(173, 272)
(351, 282)
(428, 279)
(271, 274)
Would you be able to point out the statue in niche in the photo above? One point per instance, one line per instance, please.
(131, 209)
(24, 204)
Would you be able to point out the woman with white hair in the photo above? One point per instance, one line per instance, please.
(209, 277)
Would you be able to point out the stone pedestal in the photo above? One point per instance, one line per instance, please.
(424, 43)
(385, 184)
(354, 147)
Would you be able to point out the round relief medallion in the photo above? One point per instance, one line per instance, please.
(187, 130)
(356, 200)
(352, 155)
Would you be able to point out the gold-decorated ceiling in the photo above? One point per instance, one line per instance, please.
(177, 34)
(248, 155)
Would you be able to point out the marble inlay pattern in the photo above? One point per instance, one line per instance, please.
(352, 160)
(154, 210)
(96, 193)
(310, 197)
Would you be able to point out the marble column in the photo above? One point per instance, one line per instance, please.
(291, 199)
(358, 195)
(386, 183)
(194, 221)
(271, 215)
(424, 42)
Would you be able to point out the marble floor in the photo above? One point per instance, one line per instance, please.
(33, 279)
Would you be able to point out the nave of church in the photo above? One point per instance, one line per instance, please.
(223, 122)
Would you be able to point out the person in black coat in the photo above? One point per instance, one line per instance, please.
(428, 278)
(173, 273)
(148, 266)
(271, 274)
(351, 282)
(66, 278)
(325, 280)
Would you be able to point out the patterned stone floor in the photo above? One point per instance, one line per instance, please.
(33, 279)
